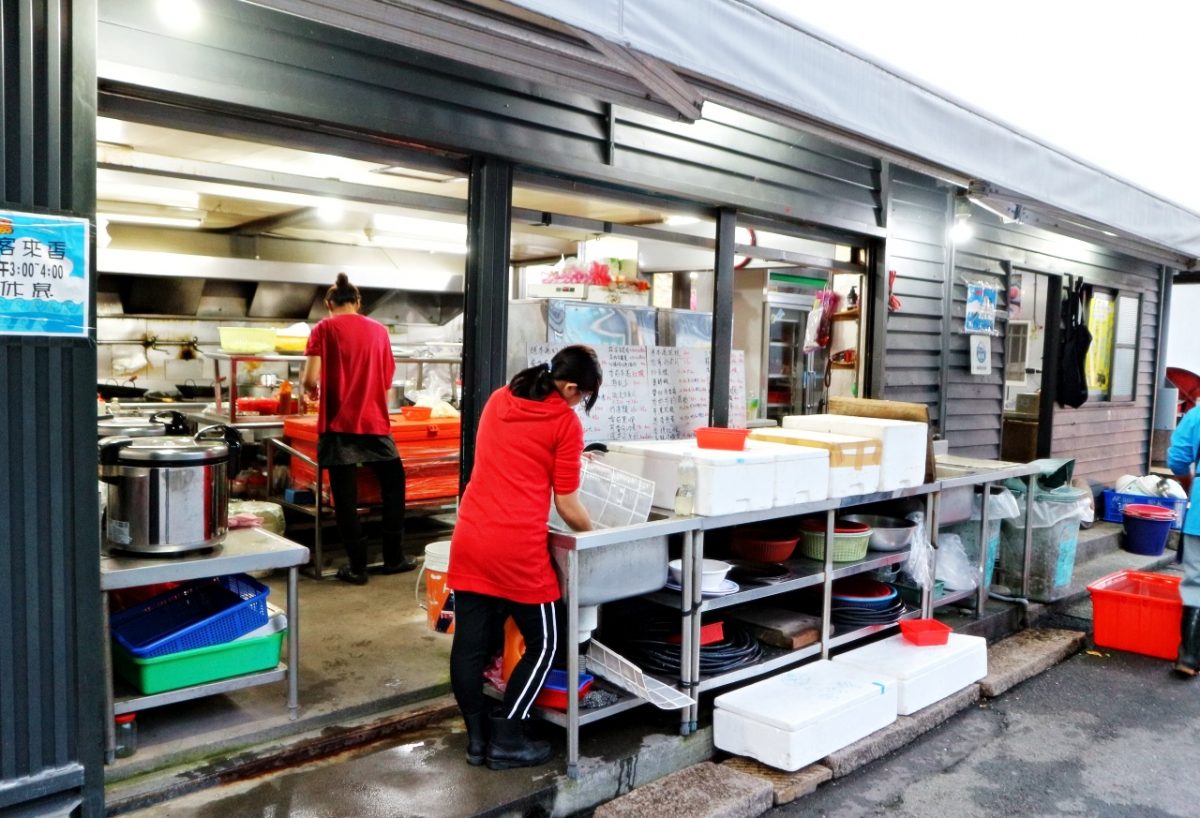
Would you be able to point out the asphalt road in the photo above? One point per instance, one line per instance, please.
(1101, 735)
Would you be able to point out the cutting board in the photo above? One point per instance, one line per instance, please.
(780, 627)
(891, 409)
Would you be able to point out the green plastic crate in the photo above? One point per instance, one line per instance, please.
(159, 674)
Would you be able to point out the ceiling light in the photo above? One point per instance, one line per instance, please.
(961, 230)
(330, 211)
(1004, 216)
(180, 15)
(679, 220)
(419, 245)
(161, 221)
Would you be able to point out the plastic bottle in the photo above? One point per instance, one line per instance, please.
(685, 492)
(285, 399)
(126, 735)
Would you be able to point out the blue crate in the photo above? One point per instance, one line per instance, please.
(1115, 502)
(197, 614)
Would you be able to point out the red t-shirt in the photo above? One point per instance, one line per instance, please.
(356, 373)
(524, 449)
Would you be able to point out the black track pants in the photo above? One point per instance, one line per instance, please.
(343, 485)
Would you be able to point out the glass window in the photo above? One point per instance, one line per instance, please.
(1111, 363)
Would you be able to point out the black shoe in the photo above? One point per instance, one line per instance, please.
(510, 747)
(348, 574)
(1188, 663)
(407, 565)
(477, 738)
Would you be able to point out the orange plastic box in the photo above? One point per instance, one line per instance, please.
(714, 437)
(925, 632)
(1138, 612)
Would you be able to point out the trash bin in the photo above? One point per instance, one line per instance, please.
(1057, 514)
(1001, 506)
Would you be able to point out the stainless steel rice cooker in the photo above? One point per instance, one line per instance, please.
(155, 425)
(167, 495)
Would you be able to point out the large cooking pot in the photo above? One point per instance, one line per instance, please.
(156, 425)
(167, 495)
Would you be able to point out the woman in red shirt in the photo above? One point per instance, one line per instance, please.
(528, 447)
(350, 367)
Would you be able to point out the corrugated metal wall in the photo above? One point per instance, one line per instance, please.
(1106, 439)
(917, 250)
(286, 69)
(50, 651)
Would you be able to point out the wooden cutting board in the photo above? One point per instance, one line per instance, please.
(892, 410)
(779, 627)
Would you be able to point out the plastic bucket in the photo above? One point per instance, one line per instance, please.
(439, 600)
(1145, 535)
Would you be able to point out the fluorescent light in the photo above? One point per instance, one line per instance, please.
(995, 211)
(418, 244)
(330, 211)
(162, 221)
(961, 231)
(180, 15)
(678, 220)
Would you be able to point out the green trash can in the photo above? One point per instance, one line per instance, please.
(1057, 514)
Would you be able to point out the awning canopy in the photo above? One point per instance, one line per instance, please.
(668, 56)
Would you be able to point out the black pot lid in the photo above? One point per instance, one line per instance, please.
(131, 426)
(166, 450)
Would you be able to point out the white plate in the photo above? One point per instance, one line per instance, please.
(726, 588)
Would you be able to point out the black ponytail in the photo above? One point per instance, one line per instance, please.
(342, 292)
(575, 364)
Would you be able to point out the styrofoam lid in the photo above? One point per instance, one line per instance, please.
(797, 421)
(676, 449)
(810, 434)
(796, 698)
(901, 659)
(786, 451)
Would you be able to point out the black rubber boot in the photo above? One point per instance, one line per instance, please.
(510, 747)
(477, 738)
(1188, 662)
(400, 566)
(348, 574)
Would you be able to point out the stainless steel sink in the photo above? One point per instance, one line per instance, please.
(617, 563)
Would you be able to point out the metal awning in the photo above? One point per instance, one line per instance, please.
(667, 56)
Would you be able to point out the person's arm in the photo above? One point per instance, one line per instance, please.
(572, 511)
(311, 379)
(1184, 448)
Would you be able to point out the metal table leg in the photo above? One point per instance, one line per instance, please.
(697, 598)
(572, 664)
(827, 584)
(931, 511)
(687, 612)
(293, 614)
(982, 594)
(110, 728)
(1030, 484)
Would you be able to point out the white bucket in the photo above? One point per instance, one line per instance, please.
(439, 600)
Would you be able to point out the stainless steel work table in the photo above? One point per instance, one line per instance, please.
(244, 549)
(957, 472)
(571, 547)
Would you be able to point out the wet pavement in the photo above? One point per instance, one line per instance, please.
(1105, 734)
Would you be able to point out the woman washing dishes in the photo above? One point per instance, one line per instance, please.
(528, 447)
(1181, 459)
(350, 369)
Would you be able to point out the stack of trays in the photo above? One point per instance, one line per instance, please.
(858, 602)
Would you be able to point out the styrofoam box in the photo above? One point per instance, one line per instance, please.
(801, 473)
(926, 674)
(903, 443)
(726, 481)
(846, 477)
(798, 717)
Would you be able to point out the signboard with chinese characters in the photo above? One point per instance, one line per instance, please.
(980, 316)
(43, 275)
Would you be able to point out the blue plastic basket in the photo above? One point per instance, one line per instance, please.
(197, 614)
(1115, 502)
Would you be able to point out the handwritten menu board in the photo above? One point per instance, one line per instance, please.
(653, 392)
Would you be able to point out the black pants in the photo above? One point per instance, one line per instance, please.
(343, 485)
(478, 635)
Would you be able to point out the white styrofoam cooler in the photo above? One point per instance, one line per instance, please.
(726, 481)
(801, 473)
(903, 443)
(803, 715)
(853, 461)
(926, 674)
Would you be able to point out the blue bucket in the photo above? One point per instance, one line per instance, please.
(1146, 537)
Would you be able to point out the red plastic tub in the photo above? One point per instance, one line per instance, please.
(925, 632)
(554, 693)
(1138, 612)
(715, 437)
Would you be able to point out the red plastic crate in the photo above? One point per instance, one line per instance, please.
(925, 632)
(1137, 611)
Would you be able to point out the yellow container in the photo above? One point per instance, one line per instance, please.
(291, 343)
(247, 340)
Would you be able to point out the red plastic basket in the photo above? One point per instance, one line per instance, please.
(762, 546)
(715, 437)
(925, 632)
(1137, 611)
(554, 693)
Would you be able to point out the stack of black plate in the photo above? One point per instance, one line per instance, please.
(859, 601)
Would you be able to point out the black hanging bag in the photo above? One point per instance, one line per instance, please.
(1076, 338)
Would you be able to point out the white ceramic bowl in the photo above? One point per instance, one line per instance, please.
(712, 573)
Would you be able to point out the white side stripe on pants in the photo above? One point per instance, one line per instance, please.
(541, 668)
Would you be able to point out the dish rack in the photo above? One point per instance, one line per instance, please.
(197, 614)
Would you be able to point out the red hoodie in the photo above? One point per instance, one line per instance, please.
(524, 449)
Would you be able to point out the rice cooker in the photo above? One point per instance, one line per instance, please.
(156, 425)
(167, 494)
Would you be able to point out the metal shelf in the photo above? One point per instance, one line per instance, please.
(777, 662)
(627, 701)
(954, 596)
(842, 637)
(135, 702)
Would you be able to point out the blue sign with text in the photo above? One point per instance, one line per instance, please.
(43, 274)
